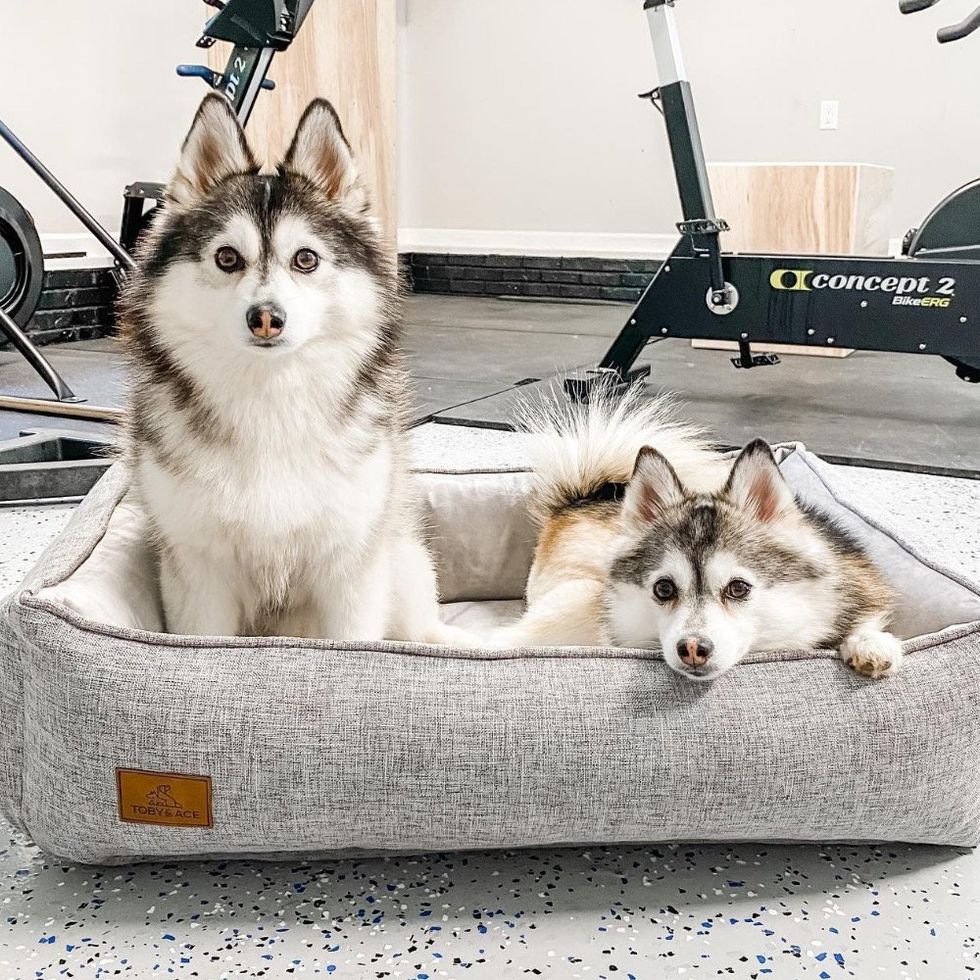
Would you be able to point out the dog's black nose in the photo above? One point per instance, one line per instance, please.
(694, 651)
(265, 320)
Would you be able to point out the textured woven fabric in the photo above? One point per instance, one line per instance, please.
(315, 747)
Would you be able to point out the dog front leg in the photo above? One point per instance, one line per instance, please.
(871, 650)
(353, 603)
(415, 599)
(197, 597)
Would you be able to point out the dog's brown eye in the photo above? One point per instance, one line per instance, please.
(737, 589)
(305, 260)
(664, 590)
(227, 259)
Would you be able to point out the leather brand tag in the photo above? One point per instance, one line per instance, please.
(169, 799)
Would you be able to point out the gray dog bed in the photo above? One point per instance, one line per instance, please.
(121, 743)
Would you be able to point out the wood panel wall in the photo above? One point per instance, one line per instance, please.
(344, 52)
(803, 209)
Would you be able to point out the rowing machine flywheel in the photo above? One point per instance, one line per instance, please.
(952, 230)
(21, 261)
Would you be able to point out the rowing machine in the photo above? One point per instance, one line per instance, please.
(257, 29)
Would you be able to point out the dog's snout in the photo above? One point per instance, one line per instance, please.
(265, 320)
(694, 651)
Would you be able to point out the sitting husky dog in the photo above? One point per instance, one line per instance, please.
(703, 561)
(267, 435)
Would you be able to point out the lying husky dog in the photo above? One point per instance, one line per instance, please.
(703, 561)
(267, 432)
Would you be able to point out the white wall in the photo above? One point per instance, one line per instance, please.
(91, 88)
(521, 116)
(518, 117)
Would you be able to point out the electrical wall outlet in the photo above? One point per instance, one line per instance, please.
(829, 114)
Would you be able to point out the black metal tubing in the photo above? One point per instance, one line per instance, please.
(241, 81)
(686, 151)
(929, 306)
(134, 220)
(629, 344)
(36, 359)
(691, 172)
(67, 198)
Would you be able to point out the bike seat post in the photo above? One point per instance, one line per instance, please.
(700, 223)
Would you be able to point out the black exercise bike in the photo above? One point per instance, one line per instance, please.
(925, 302)
(257, 29)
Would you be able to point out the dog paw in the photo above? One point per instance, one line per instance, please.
(873, 655)
(444, 634)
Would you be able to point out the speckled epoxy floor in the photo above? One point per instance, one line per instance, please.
(640, 912)
(680, 910)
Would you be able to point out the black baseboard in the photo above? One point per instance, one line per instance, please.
(539, 276)
(75, 304)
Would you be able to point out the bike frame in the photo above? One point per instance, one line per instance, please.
(910, 305)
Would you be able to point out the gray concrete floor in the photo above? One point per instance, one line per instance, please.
(468, 354)
(744, 911)
(912, 411)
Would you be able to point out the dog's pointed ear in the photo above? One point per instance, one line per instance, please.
(653, 487)
(320, 152)
(215, 148)
(756, 485)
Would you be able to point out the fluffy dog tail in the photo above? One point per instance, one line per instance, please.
(580, 452)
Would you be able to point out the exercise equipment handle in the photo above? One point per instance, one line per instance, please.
(914, 6)
(212, 77)
(197, 71)
(957, 31)
(944, 35)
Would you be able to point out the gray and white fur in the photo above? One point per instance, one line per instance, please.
(704, 560)
(268, 413)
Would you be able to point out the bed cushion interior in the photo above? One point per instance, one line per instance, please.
(483, 544)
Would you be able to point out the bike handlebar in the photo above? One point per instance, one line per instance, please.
(945, 34)
(956, 31)
(212, 77)
(914, 6)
